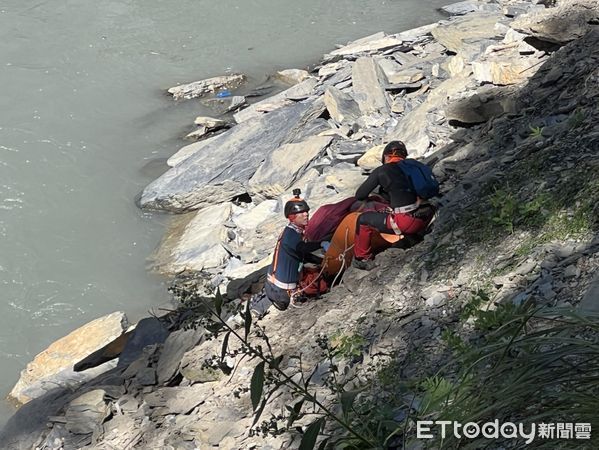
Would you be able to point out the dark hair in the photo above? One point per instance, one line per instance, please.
(395, 148)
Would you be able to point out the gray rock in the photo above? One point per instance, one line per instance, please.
(176, 345)
(417, 34)
(410, 129)
(341, 106)
(23, 429)
(146, 376)
(54, 365)
(87, 412)
(547, 291)
(123, 431)
(504, 65)
(590, 301)
(570, 20)
(525, 268)
(222, 168)
(282, 166)
(368, 81)
(460, 35)
(199, 88)
(299, 91)
(250, 219)
(177, 400)
(571, 271)
(476, 109)
(292, 76)
(372, 43)
(198, 246)
(461, 8)
(436, 299)
(148, 331)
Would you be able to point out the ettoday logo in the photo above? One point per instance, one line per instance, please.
(507, 430)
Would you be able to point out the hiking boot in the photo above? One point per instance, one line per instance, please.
(363, 264)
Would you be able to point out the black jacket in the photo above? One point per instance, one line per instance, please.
(393, 183)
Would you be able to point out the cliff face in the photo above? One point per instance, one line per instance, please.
(506, 113)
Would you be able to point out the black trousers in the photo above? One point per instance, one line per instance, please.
(278, 296)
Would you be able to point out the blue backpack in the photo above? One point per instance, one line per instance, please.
(421, 178)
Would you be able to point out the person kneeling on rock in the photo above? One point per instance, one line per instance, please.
(283, 280)
(406, 184)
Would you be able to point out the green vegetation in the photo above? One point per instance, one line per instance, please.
(347, 345)
(535, 132)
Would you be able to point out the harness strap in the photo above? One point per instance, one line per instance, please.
(394, 226)
(407, 208)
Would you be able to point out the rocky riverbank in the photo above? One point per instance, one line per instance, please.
(500, 99)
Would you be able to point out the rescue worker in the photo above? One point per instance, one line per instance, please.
(408, 215)
(290, 253)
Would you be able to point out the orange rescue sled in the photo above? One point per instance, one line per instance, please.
(341, 251)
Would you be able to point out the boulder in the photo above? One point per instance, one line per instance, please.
(55, 364)
(219, 168)
(198, 246)
(86, 413)
(178, 342)
(412, 128)
(372, 158)
(250, 219)
(368, 83)
(480, 108)
(504, 64)
(251, 245)
(209, 85)
(292, 76)
(297, 92)
(570, 20)
(282, 167)
(464, 34)
(341, 106)
(461, 8)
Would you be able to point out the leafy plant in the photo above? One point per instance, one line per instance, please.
(348, 345)
(269, 377)
(577, 118)
(504, 206)
(535, 132)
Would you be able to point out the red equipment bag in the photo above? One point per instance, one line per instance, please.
(311, 283)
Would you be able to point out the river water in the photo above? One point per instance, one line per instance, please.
(85, 125)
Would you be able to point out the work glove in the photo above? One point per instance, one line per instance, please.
(325, 245)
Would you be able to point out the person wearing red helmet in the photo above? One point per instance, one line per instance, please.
(291, 251)
(408, 216)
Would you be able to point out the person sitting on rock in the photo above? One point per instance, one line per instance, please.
(291, 251)
(408, 215)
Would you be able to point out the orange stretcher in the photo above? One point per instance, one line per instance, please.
(341, 251)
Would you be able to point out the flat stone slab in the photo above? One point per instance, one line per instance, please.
(58, 359)
(301, 90)
(461, 34)
(375, 42)
(283, 166)
(209, 85)
(219, 169)
(199, 246)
